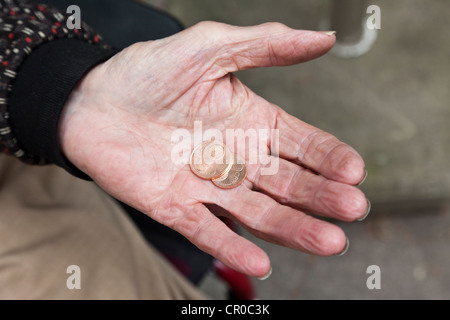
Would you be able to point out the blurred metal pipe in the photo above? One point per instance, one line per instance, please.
(348, 18)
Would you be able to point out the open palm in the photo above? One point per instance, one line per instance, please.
(118, 127)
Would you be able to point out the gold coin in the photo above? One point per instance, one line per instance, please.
(234, 177)
(210, 160)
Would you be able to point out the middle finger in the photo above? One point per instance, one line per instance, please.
(299, 187)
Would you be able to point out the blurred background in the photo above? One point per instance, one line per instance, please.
(386, 93)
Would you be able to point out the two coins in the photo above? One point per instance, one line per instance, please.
(212, 160)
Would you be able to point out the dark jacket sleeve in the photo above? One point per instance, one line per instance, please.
(41, 61)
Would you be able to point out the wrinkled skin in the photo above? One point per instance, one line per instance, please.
(117, 128)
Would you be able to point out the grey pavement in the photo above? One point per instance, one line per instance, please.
(393, 105)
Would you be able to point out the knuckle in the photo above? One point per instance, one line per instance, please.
(208, 26)
(320, 237)
(275, 26)
(287, 187)
(310, 144)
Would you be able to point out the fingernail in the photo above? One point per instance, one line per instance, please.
(363, 179)
(266, 276)
(329, 33)
(369, 206)
(347, 244)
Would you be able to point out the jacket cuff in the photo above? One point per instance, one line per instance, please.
(42, 86)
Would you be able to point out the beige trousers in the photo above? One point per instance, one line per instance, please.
(50, 221)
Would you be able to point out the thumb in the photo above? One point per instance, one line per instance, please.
(265, 45)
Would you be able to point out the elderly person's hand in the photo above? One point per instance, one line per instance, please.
(118, 124)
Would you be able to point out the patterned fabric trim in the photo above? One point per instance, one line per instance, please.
(23, 27)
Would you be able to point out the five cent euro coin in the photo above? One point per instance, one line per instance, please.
(211, 160)
(234, 177)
